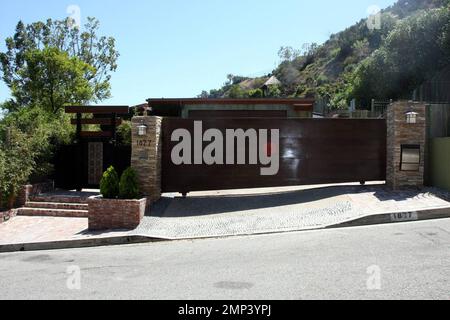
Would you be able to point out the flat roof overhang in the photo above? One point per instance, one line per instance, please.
(98, 109)
(202, 101)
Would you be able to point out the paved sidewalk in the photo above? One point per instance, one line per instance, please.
(23, 229)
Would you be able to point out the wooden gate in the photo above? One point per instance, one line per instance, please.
(311, 151)
(81, 165)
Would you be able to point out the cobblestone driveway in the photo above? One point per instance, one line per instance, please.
(206, 215)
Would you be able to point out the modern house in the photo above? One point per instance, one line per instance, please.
(273, 81)
(230, 108)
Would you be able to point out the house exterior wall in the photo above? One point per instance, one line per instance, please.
(291, 113)
(440, 162)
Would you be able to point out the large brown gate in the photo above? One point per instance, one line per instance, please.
(311, 151)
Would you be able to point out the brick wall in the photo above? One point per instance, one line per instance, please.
(399, 133)
(146, 156)
(31, 190)
(108, 214)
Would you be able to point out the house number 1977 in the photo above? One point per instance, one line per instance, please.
(143, 143)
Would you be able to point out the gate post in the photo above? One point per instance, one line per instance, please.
(406, 139)
(146, 155)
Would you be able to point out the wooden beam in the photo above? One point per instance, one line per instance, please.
(303, 107)
(101, 121)
(96, 134)
(98, 109)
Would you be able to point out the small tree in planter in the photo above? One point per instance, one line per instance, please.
(128, 185)
(119, 207)
(109, 185)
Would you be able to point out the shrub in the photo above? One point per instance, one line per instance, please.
(109, 185)
(17, 154)
(124, 133)
(257, 93)
(128, 186)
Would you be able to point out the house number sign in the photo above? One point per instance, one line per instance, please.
(143, 143)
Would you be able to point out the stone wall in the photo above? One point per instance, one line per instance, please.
(109, 214)
(146, 156)
(399, 133)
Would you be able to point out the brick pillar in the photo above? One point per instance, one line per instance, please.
(146, 156)
(23, 196)
(400, 133)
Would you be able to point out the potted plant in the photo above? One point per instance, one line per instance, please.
(119, 206)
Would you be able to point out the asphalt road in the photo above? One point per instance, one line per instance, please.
(396, 261)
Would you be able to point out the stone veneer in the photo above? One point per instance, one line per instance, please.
(146, 156)
(399, 133)
(109, 214)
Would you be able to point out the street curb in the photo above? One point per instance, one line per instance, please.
(82, 243)
(385, 218)
(398, 217)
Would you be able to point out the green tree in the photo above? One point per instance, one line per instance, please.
(236, 92)
(124, 133)
(50, 78)
(128, 185)
(17, 162)
(256, 93)
(43, 131)
(413, 51)
(288, 53)
(273, 91)
(96, 51)
(109, 184)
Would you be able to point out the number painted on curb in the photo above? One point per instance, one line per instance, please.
(404, 217)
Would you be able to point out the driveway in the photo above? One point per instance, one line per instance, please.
(244, 212)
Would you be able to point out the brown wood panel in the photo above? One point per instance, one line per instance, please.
(233, 114)
(96, 134)
(101, 121)
(97, 109)
(312, 151)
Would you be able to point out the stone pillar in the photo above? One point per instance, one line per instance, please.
(400, 133)
(146, 156)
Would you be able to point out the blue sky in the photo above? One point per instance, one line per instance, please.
(177, 48)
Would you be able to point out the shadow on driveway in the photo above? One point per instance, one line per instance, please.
(172, 207)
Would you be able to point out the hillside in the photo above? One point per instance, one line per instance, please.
(345, 66)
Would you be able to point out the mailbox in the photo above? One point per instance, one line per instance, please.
(410, 158)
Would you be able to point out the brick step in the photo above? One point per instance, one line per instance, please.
(57, 205)
(45, 212)
(58, 199)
